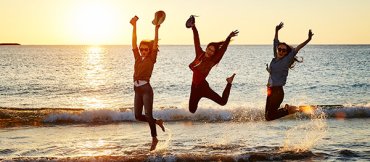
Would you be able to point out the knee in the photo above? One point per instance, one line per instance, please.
(149, 117)
(140, 117)
(137, 116)
(192, 109)
(223, 103)
(268, 117)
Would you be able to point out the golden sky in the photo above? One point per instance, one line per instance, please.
(60, 22)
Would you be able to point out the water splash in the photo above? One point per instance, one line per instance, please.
(11, 117)
(304, 136)
(164, 146)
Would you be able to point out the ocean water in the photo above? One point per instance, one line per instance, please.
(74, 103)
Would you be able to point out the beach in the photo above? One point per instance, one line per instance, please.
(74, 103)
(298, 138)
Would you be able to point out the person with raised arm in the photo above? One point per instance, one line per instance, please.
(145, 58)
(284, 59)
(201, 66)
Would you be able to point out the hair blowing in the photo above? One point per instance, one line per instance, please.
(295, 59)
(217, 45)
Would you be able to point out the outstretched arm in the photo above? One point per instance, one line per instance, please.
(198, 49)
(154, 53)
(155, 44)
(134, 37)
(277, 28)
(276, 38)
(218, 56)
(310, 34)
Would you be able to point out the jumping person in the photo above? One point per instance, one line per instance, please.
(202, 65)
(284, 59)
(145, 58)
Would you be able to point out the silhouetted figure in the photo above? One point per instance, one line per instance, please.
(284, 59)
(202, 65)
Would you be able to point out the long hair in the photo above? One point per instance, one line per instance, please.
(217, 45)
(148, 43)
(289, 49)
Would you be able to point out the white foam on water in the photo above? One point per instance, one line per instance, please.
(103, 115)
(304, 136)
(348, 111)
(236, 113)
(166, 114)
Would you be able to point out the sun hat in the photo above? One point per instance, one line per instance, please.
(190, 21)
(159, 17)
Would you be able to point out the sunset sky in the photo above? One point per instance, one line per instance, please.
(64, 22)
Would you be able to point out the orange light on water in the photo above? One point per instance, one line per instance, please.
(340, 115)
(307, 109)
(95, 74)
(92, 102)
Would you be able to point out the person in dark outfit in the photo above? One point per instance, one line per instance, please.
(143, 68)
(284, 59)
(202, 65)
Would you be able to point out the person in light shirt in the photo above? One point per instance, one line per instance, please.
(284, 59)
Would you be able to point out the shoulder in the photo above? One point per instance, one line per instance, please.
(293, 52)
(135, 50)
(155, 51)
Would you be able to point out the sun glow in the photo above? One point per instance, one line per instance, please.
(307, 109)
(94, 23)
(95, 70)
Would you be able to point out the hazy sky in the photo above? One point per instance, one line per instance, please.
(107, 21)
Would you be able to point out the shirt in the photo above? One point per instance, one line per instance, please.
(201, 66)
(279, 68)
(143, 68)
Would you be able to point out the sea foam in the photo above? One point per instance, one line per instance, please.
(234, 114)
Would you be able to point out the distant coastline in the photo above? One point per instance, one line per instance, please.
(7, 44)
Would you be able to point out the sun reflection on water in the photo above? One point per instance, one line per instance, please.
(93, 102)
(95, 70)
(95, 77)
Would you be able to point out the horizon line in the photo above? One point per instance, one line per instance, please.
(179, 44)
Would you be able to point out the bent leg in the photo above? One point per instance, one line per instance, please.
(273, 102)
(195, 96)
(148, 105)
(209, 93)
(138, 106)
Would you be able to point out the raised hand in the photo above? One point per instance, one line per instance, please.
(278, 27)
(310, 34)
(234, 33)
(191, 21)
(133, 20)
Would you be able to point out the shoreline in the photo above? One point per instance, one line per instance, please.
(9, 44)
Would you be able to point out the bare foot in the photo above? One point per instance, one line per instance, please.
(230, 79)
(159, 122)
(154, 143)
(291, 109)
